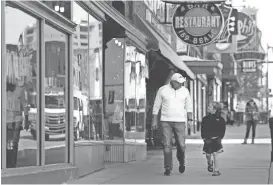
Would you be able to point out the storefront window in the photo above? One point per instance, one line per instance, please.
(21, 88)
(113, 128)
(135, 94)
(87, 76)
(55, 111)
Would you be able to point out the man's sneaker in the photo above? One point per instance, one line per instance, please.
(216, 173)
(167, 172)
(182, 169)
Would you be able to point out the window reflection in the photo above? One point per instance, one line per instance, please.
(21, 88)
(55, 99)
(87, 74)
(114, 93)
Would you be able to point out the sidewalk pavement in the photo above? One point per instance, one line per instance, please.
(238, 132)
(239, 164)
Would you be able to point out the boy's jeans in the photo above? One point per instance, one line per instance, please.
(178, 128)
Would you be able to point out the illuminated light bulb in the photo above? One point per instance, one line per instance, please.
(57, 8)
(122, 46)
(231, 29)
(119, 43)
(232, 24)
(116, 41)
(62, 9)
(232, 18)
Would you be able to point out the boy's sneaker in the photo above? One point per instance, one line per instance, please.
(210, 166)
(168, 172)
(182, 168)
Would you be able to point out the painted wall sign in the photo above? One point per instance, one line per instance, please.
(198, 24)
(249, 66)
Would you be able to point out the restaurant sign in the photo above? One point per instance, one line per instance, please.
(249, 38)
(249, 66)
(198, 24)
(246, 30)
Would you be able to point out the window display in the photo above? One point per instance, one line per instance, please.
(135, 93)
(21, 88)
(114, 90)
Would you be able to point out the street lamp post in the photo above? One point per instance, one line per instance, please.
(267, 81)
(267, 98)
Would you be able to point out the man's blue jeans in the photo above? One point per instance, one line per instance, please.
(178, 129)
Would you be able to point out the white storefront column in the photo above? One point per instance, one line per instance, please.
(195, 105)
(204, 90)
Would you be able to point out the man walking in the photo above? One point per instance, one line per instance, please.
(176, 109)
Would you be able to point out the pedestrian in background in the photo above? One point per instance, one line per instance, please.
(271, 128)
(176, 109)
(252, 117)
(213, 129)
(224, 111)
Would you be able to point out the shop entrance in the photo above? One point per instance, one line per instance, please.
(158, 75)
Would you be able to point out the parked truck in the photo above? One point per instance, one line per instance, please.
(55, 115)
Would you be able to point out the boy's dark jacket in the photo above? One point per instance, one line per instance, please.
(213, 126)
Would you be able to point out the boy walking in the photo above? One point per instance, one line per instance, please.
(213, 129)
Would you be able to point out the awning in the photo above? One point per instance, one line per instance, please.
(208, 67)
(156, 42)
(189, 58)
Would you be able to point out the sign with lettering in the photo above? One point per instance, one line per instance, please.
(249, 66)
(249, 37)
(246, 30)
(198, 24)
(250, 55)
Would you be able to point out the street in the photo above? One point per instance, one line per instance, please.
(239, 164)
(84, 84)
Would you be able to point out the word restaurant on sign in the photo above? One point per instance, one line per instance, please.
(198, 22)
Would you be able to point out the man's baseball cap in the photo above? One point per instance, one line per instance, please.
(178, 78)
